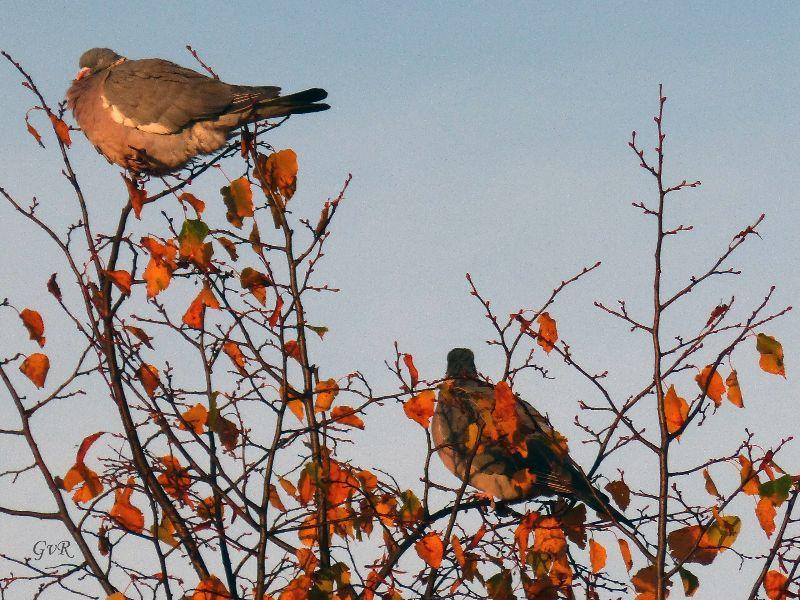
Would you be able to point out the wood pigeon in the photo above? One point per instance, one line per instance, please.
(152, 116)
(533, 461)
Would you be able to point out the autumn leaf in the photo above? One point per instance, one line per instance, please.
(196, 418)
(52, 287)
(121, 279)
(136, 196)
(676, 410)
(235, 354)
(275, 499)
(320, 330)
(256, 283)
(771, 353)
(734, 392)
(625, 551)
(195, 314)
(549, 537)
(175, 479)
(148, 376)
(506, 420)
(548, 334)
(32, 130)
(690, 582)
(33, 322)
(80, 473)
(279, 172)
(158, 273)
(430, 548)
(620, 492)
(165, 532)
(711, 384)
(644, 582)
(306, 559)
(276, 313)
(690, 544)
(523, 532)
(140, 335)
(123, 512)
(765, 511)
(227, 431)
(748, 476)
(775, 584)
(597, 556)
(326, 391)
(198, 205)
(711, 487)
(412, 370)
(238, 198)
(35, 368)
(458, 551)
(229, 247)
(211, 588)
(61, 129)
(193, 246)
(499, 586)
(345, 415)
(207, 509)
(419, 408)
(777, 490)
(411, 510)
(292, 349)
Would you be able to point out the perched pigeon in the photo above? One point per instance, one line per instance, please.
(152, 116)
(536, 464)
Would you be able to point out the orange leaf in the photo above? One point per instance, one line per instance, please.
(765, 511)
(238, 198)
(123, 512)
(597, 556)
(276, 313)
(139, 334)
(235, 354)
(195, 417)
(477, 537)
(35, 368)
(430, 549)
(775, 584)
(305, 487)
(711, 487)
(523, 532)
(346, 416)
(771, 352)
(158, 273)
(293, 349)
(548, 334)
(625, 551)
(61, 129)
(412, 370)
(298, 589)
(280, 172)
(734, 391)
(458, 550)
(256, 283)
(275, 499)
(175, 479)
(32, 321)
(148, 376)
(230, 247)
(419, 408)
(80, 473)
(121, 279)
(136, 195)
(211, 588)
(198, 205)
(676, 410)
(326, 392)
(33, 132)
(195, 314)
(711, 384)
(306, 559)
(549, 537)
(749, 477)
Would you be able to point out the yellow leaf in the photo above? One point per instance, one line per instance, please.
(771, 353)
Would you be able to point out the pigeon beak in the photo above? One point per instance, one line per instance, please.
(82, 73)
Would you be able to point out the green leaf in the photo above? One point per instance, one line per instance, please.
(690, 582)
(777, 490)
(319, 330)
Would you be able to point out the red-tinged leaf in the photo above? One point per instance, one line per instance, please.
(597, 556)
(625, 551)
(256, 283)
(148, 376)
(323, 219)
(326, 392)
(412, 370)
(430, 549)
(276, 313)
(345, 415)
(238, 198)
(734, 392)
(676, 410)
(195, 314)
(711, 383)
(198, 205)
(52, 287)
(121, 279)
(85, 445)
(123, 512)
(35, 368)
(477, 537)
(33, 322)
(458, 551)
(193, 246)
(765, 511)
(61, 129)
(716, 313)
(235, 354)
(211, 588)
(136, 196)
(771, 352)
(230, 247)
(419, 408)
(175, 479)
(91, 485)
(292, 348)
(140, 335)
(775, 584)
(620, 492)
(548, 333)
(196, 418)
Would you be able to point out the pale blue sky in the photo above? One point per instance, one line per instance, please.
(489, 138)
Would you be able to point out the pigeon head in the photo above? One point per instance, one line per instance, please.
(95, 60)
(461, 363)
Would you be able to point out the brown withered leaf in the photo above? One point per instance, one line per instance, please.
(52, 287)
(620, 492)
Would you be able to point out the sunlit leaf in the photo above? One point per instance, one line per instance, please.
(419, 408)
(775, 584)
(211, 588)
(238, 198)
(276, 313)
(412, 370)
(195, 314)
(326, 391)
(33, 322)
(123, 512)
(711, 487)
(158, 273)
(148, 376)
(345, 415)
(121, 279)
(548, 536)
(765, 512)
(137, 196)
(35, 368)
(292, 348)
(198, 205)
(771, 353)
(430, 548)
(777, 490)
(280, 172)
(734, 391)
(229, 247)
(748, 476)
(548, 333)
(193, 246)
(320, 330)
(597, 556)
(165, 532)
(676, 410)
(175, 479)
(711, 383)
(523, 532)
(234, 352)
(91, 485)
(61, 129)
(625, 551)
(196, 418)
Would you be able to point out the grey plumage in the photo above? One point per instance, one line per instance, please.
(153, 116)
